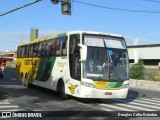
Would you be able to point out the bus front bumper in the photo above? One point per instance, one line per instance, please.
(88, 92)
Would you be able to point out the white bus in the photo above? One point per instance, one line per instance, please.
(83, 64)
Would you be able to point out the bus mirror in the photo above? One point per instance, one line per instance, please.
(83, 51)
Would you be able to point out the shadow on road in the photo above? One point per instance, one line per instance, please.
(132, 95)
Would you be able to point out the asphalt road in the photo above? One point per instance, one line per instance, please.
(15, 97)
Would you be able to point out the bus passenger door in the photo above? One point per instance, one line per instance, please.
(74, 62)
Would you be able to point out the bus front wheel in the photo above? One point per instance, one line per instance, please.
(61, 90)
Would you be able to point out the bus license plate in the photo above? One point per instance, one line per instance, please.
(108, 93)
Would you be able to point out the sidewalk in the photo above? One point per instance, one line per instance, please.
(145, 84)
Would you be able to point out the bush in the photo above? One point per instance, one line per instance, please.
(137, 70)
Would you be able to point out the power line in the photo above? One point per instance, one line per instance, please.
(23, 17)
(117, 9)
(20, 7)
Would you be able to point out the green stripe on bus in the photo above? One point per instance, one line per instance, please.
(112, 84)
(119, 84)
(45, 68)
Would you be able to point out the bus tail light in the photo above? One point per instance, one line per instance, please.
(88, 84)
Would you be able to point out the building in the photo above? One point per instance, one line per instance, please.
(150, 54)
(7, 57)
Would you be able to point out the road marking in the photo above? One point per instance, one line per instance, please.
(106, 109)
(9, 106)
(140, 104)
(142, 101)
(10, 110)
(150, 100)
(116, 107)
(2, 102)
(94, 107)
(135, 107)
(156, 99)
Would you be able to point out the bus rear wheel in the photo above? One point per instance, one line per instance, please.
(25, 81)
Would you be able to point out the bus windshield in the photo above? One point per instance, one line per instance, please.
(104, 63)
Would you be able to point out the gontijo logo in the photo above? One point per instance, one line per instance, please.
(72, 88)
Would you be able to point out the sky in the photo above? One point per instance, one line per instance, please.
(124, 17)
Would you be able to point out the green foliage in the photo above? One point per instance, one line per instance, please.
(137, 70)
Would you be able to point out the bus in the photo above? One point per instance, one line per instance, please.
(82, 64)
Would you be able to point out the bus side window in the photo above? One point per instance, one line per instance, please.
(23, 54)
(64, 50)
(58, 47)
(48, 48)
(39, 49)
(28, 51)
(43, 49)
(35, 50)
(53, 47)
(19, 52)
(31, 51)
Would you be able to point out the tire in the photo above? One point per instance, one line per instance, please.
(23, 80)
(62, 91)
(27, 85)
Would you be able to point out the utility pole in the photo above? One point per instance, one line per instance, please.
(65, 6)
(20, 7)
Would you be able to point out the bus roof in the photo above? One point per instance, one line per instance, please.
(93, 32)
(56, 35)
(52, 36)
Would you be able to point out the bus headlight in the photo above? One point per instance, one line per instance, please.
(87, 84)
(125, 86)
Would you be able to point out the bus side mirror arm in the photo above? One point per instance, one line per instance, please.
(83, 52)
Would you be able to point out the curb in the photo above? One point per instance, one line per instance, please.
(145, 84)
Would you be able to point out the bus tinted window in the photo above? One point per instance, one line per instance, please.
(35, 50)
(48, 48)
(58, 46)
(30, 51)
(53, 47)
(24, 51)
(19, 52)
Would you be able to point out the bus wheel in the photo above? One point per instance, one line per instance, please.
(23, 80)
(26, 81)
(62, 91)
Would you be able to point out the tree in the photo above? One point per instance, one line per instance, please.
(137, 70)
